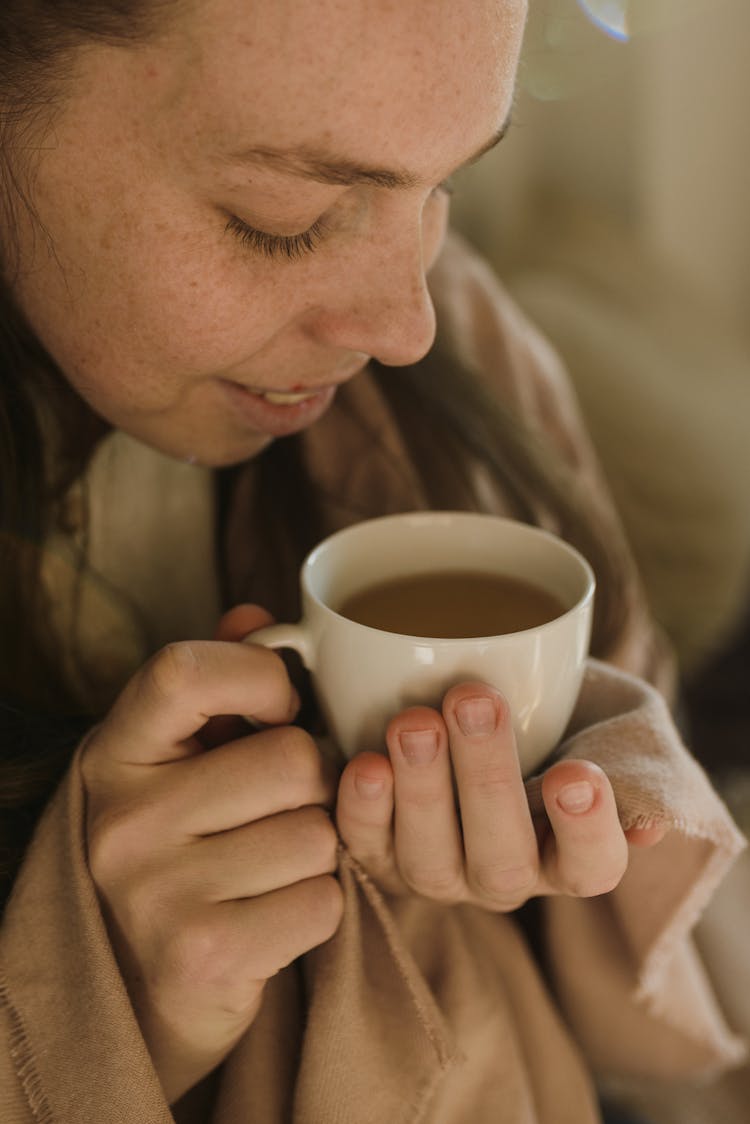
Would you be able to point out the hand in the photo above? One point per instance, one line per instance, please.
(214, 868)
(413, 831)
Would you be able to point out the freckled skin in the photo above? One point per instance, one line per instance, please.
(144, 298)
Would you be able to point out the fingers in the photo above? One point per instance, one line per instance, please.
(185, 684)
(364, 814)
(405, 828)
(490, 856)
(260, 857)
(231, 947)
(240, 620)
(248, 861)
(426, 832)
(288, 922)
(588, 852)
(207, 981)
(260, 775)
(499, 838)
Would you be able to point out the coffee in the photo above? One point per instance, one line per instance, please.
(452, 603)
(362, 677)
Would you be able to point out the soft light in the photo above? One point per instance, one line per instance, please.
(609, 15)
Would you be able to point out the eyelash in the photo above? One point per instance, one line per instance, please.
(275, 246)
(291, 246)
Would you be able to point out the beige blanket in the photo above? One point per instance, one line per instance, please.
(413, 1011)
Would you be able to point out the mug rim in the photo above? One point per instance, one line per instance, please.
(421, 516)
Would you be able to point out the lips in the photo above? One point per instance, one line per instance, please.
(274, 412)
(297, 392)
(285, 397)
(281, 411)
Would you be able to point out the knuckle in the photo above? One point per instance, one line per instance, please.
(270, 670)
(616, 874)
(593, 885)
(501, 883)
(298, 759)
(114, 840)
(320, 838)
(127, 877)
(441, 884)
(89, 759)
(196, 954)
(326, 906)
(173, 670)
(493, 781)
(202, 957)
(240, 1000)
(144, 907)
(272, 662)
(425, 796)
(604, 887)
(605, 877)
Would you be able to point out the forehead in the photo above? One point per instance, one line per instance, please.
(376, 78)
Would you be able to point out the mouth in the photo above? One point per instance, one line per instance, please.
(301, 392)
(279, 412)
(285, 397)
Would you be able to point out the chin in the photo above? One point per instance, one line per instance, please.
(229, 456)
(207, 449)
(222, 456)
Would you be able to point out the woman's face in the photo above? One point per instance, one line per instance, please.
(327, 125)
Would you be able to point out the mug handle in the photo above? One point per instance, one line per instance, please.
(293, 636)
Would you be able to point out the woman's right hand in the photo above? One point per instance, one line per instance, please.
(214, 867)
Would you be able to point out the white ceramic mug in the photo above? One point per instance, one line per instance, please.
(363, 676)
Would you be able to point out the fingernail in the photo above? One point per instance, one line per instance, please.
(576, 798)
(419, 747)
(368, 788)
(476, 716)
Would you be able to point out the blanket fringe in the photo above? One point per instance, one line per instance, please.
(23, 1060)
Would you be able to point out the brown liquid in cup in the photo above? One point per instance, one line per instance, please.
(451, 604)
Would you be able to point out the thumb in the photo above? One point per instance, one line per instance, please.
(240, 620)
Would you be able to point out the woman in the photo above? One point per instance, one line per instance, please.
(219, 220)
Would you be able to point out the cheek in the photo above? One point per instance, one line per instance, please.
(186, 301)
(148, 302)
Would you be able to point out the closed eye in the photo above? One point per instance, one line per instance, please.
(276, 246)
(291, 247)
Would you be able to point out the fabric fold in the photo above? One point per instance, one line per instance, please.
(630, 951)
(398, 1045)
(357, 1031)
(409, 1014)
(78, 1053)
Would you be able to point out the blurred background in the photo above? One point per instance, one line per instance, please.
(617, 211)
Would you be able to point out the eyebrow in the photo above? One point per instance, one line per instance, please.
(310, 163)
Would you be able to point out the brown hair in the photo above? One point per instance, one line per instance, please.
(38, 723)
(39, 412)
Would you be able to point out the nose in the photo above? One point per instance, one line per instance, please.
(380, 304)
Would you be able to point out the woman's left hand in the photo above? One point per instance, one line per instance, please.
(446, 816)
